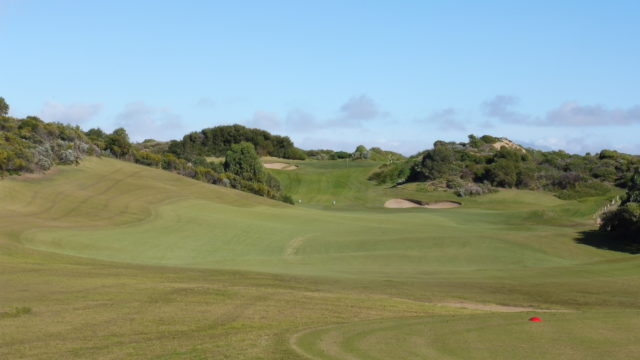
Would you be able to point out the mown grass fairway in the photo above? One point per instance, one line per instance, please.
(122, 261)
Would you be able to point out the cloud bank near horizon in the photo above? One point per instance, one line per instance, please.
(569, 114)
(147, 122)
(360, 120)
(75, 114)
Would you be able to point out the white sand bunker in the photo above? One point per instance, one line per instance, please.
(497, 308)
(409, 203)
(280, 166)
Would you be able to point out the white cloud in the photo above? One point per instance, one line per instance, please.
(298, 120)
(446, 119)
(569, 114)
(144, 122)
(75, 114)
(500, 108)
(264, 120)
(356, 111)
(360, 108)
(579, 144)
(573, 114)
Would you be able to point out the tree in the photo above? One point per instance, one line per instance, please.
(218, 140)
(97, 137)
(243, 161)
(439, 162)
(361, 152)
(4, 107)
(361, 148)
(474, 142)
(118, 142)
(503, 173)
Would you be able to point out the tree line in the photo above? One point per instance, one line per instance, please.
(241, 169)
(476, 166)
(360, 153)
(217, 141)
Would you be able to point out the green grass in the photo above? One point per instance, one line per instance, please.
(318, 183)
(479, 336)
(122, 261)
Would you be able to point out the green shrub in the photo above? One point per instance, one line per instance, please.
(391, 173)
(624, 220)
(287, 199)
(585, 190)
(473, 189)
(243, 161)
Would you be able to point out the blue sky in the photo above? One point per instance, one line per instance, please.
(332, 74)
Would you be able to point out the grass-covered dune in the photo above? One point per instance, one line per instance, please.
(117, 260)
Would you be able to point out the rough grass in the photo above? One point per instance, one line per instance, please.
(122, 261)
(478, 336)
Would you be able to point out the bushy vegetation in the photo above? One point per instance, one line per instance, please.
(4, 107)
(360, 153)
(500, 163)
(377, 154)
(242, 169)
(471, 189)
(32, 145)
(218, 140)
(624, 221)
(326, 154)
(391, 172)
(584, 190)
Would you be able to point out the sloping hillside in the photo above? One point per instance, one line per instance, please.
(114, 210)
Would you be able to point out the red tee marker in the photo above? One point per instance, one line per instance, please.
(535, 318)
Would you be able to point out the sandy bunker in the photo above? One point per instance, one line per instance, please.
(280, 166)
(409, 203)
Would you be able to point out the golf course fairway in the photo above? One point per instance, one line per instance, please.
(110, 259)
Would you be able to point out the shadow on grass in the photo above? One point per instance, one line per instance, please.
(608, 241)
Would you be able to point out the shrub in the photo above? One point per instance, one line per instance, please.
(391, 173)
(287, 199)
(243, 161)
(473, 189)
(624, 220)
(503, 173)
(584, 190)
(342, 155)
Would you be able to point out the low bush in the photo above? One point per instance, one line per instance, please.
(473, 189)
(584, 190)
